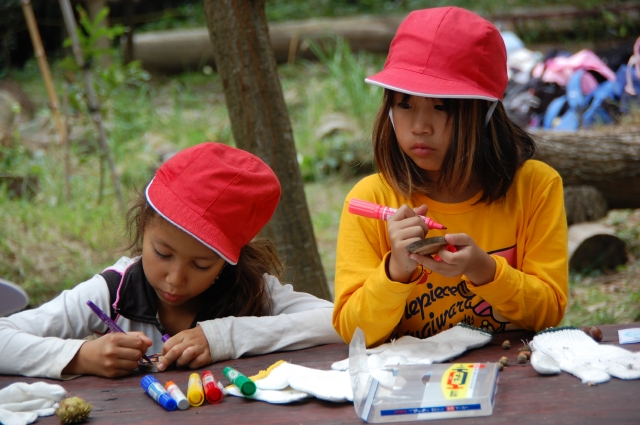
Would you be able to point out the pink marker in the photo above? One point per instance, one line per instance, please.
(379, 212)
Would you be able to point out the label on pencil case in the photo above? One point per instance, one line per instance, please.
(459, 380)
(433, 409)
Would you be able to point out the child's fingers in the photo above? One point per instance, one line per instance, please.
(190, 354)
(169, 356)
(143, 337)
(458, 239)
(443, 253)
(421, 210)
(201, 360)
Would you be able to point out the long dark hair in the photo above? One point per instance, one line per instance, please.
(487, 155)
(239, 290)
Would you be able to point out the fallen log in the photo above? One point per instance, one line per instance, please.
(608, 161)
(584, 203)
(594, 246)
(180, 50)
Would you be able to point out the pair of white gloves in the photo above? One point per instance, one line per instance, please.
(22, 403)
(284, 382)
(572, 350)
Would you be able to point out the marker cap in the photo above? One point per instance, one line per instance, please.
(211, 390)
(246, 385)
(195, 392)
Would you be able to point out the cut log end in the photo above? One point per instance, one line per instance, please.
(594, 246)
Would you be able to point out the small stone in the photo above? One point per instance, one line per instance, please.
(522, 358)
(504, 361)
(506, 345)
(593, 332)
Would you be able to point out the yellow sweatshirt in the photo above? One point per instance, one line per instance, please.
(526, 235)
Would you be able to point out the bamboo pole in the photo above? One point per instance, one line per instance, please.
(36, 40)
(92, 99)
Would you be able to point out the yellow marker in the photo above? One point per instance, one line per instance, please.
(195, 392)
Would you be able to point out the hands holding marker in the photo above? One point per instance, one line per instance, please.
(112, 355)
(189, 348)
(460, 256)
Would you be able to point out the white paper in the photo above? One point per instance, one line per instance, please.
(629, 336)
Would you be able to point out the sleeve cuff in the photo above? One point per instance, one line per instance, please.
(399, 287)
(499, 290)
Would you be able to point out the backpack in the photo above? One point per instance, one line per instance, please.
(577, 109)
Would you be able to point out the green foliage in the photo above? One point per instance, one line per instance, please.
(108, 81)
(89, 32)
(341, 113)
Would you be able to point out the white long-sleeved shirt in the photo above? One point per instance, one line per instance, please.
(41, 342)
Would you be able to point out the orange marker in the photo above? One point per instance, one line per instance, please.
(211, 389)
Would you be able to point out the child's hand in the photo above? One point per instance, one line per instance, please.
(111, 355)
(404, 228)
(189, 347)
(469, 259)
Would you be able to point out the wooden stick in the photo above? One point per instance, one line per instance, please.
(36, 40)
(67, 154)
(92, 99)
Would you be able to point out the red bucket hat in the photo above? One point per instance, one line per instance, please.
(220, 195)
(446, 52)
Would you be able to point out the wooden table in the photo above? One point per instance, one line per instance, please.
(523, 397)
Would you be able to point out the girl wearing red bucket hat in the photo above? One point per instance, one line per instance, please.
(442, 139)
(200, 281)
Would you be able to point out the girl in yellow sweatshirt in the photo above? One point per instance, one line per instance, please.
(442, 139)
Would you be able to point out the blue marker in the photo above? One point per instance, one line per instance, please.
(157, 392)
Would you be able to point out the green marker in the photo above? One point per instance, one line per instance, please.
(246, 385)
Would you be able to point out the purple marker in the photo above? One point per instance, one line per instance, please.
(165, 337)
(110, 323)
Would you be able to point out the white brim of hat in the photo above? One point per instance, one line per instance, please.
(189, 218)
(436, 87)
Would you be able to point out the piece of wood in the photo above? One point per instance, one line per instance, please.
(594, 246)
(427, 246)
(607, 160)
(179, 50)
(43, 64)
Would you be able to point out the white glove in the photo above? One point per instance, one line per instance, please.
(284, 396)
(436, 349)
(572, 350)
(284, 382)
(22, 403)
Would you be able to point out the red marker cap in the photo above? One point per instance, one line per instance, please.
(449, 248)
(211, 390)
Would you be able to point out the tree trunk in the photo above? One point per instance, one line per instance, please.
(260, 124)
(608, 161)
